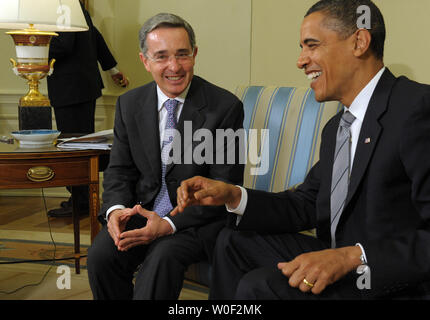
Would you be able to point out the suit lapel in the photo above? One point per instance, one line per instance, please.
(149, 133)
(192, 116)
(370, 131)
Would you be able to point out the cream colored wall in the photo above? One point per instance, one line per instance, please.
(275, 40)
(222, 28)
(407, 45)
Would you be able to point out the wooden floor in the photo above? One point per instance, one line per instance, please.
(25, 218)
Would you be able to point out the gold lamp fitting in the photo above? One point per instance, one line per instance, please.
(32, 48)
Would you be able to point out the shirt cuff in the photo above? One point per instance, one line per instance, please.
(115, 207)
(171, 223)
(242, 204)
(362, 252)
(113, 71)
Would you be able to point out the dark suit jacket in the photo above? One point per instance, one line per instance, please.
(76, 77)
(388, 204)
(134, 171)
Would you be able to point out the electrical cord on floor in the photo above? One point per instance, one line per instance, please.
(40, 260)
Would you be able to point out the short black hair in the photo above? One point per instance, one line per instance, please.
(342, 17)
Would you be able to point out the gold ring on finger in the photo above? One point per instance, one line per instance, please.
(306, 282)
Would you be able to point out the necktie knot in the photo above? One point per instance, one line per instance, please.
(347, 119)
(171, 105)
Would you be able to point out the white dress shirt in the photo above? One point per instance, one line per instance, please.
(358, 108)
(162, 118)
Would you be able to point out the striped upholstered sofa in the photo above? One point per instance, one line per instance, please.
(294, 120)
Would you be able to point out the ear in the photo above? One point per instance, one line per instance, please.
(195, 51)
(145, 61)
(362, 40)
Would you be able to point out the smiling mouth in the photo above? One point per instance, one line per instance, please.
(314, 75)
(174, 78)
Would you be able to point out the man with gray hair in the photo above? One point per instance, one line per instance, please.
(140, 184)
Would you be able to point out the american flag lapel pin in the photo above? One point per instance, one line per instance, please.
(367, 140)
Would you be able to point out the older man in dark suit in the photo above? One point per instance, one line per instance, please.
(368, 196)
(139, 171)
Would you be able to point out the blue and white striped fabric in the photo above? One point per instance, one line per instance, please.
(294, 120)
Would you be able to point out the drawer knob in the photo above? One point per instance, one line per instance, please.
(40, 174)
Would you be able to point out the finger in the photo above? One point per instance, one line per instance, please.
(308, 283)
(132, 238)
(292, 271)
(175, 211)
(181, 202)
(124, 219)
(288, 268)
(320, 281)
(183, 190)
(205, 193)
(113, 228)
(296, 279)
(124, 245)
(133, 244)
(113, 235)
(145, 213)
(128, 212)
(319, 287)
(282, 265)
(127, 242)
(178, 199)
(193, 184)
(131, 234)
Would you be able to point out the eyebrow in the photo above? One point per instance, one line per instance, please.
(160, 52)
(308, 40)
(177, 51)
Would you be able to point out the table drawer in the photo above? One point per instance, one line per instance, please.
(44, 173)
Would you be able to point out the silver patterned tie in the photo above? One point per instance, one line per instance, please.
(162, 204)
(341, 172)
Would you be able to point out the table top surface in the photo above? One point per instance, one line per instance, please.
(8, 150)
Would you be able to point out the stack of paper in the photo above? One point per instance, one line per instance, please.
(101, 140)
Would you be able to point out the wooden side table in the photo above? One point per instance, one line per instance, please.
(23, 168)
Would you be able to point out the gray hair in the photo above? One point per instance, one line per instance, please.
(164, 20)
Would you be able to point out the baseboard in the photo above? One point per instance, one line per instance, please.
(48, 192)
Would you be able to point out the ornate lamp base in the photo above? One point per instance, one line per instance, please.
(32, 50)
(31, 118)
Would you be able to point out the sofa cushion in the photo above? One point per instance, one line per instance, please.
(294, 120)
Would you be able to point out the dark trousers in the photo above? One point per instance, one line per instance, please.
(245, 267)
(77, 118)
(157, 268)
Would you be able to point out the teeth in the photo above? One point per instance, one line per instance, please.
(313, 75)
(174, 78)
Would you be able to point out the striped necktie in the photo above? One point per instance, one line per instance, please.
(341, 172)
